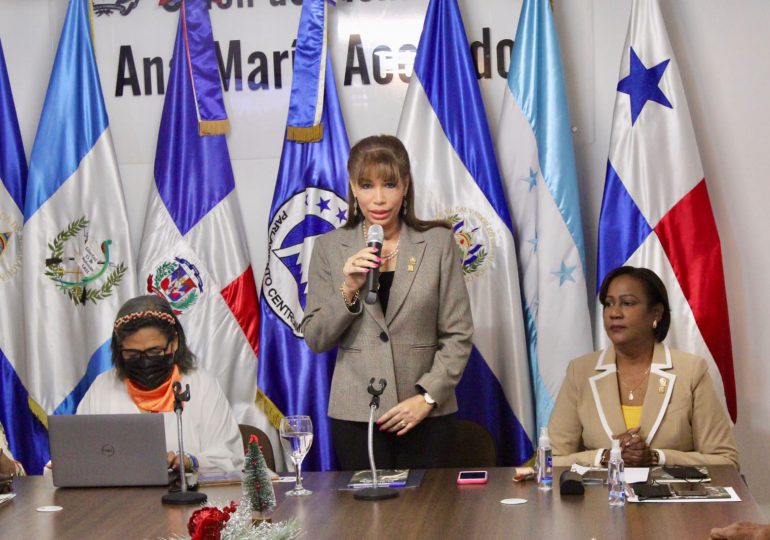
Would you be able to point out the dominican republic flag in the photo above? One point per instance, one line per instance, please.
(309, 200)
(78, 266)
(534, 144)
(444, 127)
(656, 211)
(193, 250)
(27, 437)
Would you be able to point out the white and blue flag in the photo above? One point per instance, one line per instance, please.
(537, 161)
(444, 127)
(27, 438)
(77, 261)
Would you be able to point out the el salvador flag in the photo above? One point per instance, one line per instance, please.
(27, 438)
(309, 200)
(77, 262)
(444, 128)
(193, 250)
(537, 162)
(656, 211)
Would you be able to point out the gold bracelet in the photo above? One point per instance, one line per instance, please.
(345, 298)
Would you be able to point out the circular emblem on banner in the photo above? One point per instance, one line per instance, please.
(178, 281)
(475, 237)
(292, 233)
(80, 266)
(10, 246)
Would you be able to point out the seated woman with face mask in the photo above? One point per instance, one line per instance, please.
(149, 354)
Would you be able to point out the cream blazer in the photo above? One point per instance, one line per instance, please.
(423, 341)
(682, 418)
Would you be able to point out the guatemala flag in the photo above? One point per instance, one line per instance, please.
(77, 263)
(444, 128)
(193, 250)
(309, 200)
(27, 438)
(656, 211)
(537, 162)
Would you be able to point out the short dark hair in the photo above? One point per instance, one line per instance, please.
(654, 289)
(150, 311)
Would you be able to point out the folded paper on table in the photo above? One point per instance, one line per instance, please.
(385, 478)
(214, 477)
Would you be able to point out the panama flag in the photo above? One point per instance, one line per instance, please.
(27, 438)
(444, 127)
(656, 211)
(193, 250)
(537, 162)
(77, 261)
(309, 200)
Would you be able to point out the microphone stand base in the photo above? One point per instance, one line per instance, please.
(375, 494)
(179, 498)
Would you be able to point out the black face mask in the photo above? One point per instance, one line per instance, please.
(150, 372)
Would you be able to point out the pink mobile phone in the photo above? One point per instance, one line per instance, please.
(472, 477)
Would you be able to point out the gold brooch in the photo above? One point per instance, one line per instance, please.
(410, 264)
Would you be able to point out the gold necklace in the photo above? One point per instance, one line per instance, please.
(631, 390)
(383, 256)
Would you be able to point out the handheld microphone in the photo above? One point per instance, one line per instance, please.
(374, 238)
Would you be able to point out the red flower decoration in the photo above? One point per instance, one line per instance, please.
(208, 522)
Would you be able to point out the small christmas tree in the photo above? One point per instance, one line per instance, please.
(257, 484)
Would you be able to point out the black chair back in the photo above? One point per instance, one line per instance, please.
(264, 443)
(474, 447)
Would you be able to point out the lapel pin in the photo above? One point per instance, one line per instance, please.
(663, 381)
(410, 264)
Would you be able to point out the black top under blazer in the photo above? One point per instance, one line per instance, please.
(424, 340)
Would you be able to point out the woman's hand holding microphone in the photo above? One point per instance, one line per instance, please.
(355, 270)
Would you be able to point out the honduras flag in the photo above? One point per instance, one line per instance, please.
(77, 262)
(444, 127)
(538, 166)
(656, 211)
(27, 438)
(309, 200)
(193, 250)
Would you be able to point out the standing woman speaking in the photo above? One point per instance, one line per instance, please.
(417, 336)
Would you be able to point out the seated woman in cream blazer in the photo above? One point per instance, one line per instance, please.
(659, 402)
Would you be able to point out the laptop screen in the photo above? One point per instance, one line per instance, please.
(108, 450)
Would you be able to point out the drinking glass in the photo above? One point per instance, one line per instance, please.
(296, 438)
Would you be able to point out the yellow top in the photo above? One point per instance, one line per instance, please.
(632, 414)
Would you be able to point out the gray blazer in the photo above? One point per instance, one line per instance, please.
(424, 340)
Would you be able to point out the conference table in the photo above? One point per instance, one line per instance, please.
(438, 509)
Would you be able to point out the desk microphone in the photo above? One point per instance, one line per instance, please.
(374, 238)
(183, 496)
(374, 493)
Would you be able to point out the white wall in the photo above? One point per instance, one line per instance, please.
(722, 53)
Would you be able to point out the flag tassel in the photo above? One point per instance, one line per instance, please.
(305, 134)
(213, 127)
(272, 412)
